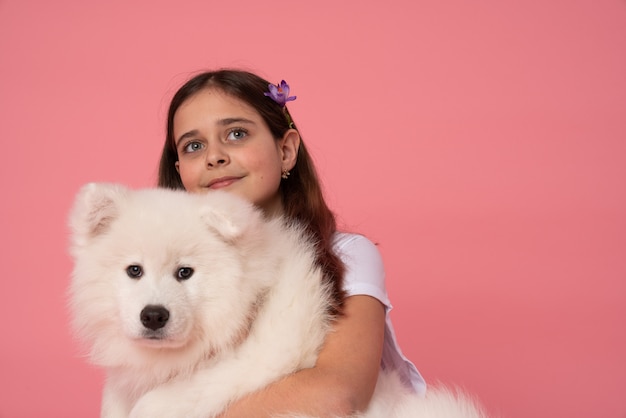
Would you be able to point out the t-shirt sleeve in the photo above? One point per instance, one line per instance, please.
(365, 272)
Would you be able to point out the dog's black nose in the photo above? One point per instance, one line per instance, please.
(154, 316)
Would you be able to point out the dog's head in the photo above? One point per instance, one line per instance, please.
(162, 271)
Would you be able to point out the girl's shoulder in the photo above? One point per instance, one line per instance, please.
(351, 242)
(365, 271)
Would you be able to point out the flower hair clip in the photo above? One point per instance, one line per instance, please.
(279, 93)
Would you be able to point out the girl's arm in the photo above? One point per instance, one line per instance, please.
(344, 377)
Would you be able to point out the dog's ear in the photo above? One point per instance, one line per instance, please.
(229, 216)
(95, 207)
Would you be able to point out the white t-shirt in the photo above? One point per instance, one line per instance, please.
(365, 275)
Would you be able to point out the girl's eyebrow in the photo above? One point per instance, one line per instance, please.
(222, 122)
(230, 121)
(186, 135)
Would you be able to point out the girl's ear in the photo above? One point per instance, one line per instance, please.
(289, 145)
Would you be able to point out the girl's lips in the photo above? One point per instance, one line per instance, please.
(222, 182)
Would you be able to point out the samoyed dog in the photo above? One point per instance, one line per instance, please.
(192, 301)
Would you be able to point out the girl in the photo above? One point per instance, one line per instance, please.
(231, 130)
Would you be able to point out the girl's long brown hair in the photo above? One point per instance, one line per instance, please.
(301, 193)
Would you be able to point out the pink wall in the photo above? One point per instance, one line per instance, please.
(481, 143)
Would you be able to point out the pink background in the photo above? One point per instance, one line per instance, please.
(482, 144)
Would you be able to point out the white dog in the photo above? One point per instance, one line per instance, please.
(193, 301)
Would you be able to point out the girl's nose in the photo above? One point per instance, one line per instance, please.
(216, 157)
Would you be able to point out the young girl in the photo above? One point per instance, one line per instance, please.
(231, 130)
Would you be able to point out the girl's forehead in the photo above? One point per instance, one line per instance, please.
(212, 107)
(215, 100)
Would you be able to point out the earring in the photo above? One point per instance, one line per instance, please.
(285, 174)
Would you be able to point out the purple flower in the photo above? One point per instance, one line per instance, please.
(280, 93)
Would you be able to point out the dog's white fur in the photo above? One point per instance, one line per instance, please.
(254, 309)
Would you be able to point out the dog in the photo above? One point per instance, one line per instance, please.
(191, 301)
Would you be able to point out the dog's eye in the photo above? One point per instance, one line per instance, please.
(184, 273)
(134, 271)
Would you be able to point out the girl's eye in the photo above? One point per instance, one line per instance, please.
(184, 273)
(237, 134)
(193, 147)
(134, 271)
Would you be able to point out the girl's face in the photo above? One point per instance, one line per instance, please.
(223, 143)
